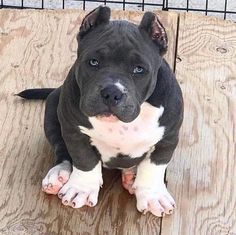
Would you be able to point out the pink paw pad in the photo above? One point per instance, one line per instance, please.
(128, 177)
(51, 189)
(56, 178)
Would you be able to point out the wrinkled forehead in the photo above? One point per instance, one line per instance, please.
(117, 39)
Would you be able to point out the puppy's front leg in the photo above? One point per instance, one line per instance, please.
(150, 189)
(85, 180)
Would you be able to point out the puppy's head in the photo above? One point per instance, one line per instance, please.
(117, 64)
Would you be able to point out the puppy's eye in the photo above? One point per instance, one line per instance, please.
(138, 70)
(93, 62)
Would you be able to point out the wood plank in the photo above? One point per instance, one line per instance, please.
(203, 172)
(37, 49)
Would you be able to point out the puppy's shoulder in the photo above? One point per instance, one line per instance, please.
(168, 94)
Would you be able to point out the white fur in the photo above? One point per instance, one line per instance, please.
(133, 139)
(147, 171)
(82, 188)
(120, 87)
(150, 190)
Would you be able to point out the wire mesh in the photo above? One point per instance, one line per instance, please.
(224, 9)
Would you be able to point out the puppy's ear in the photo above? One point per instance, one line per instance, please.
(98, 16)
(152, 25)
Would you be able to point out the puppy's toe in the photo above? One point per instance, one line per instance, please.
(68, 196)
(56, 178)
(156, 208)
(142, 204)
(51, 188)
(80, 200)
(168, 203)
(157, 201)
(92, 199)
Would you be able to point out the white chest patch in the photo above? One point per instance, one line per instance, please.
(133, 139)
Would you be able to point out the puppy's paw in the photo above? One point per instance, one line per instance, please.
(128, 177)
(56, 178)
(82, 188)
(158, 201)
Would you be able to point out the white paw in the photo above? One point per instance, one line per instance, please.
(82, 188)
(56, 177)
(158, 201)
(150, 190)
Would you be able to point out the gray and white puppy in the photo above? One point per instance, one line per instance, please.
(119, 107)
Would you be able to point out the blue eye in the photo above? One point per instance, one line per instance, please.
(138, 70)
(93, 62)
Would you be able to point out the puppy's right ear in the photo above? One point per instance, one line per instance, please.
(98, 16)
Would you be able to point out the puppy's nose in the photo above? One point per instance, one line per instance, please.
(111, 95)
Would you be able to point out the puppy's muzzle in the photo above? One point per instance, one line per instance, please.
(112, 95)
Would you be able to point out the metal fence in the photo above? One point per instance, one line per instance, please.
(221, 8)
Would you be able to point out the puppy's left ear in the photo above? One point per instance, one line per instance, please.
(100, 15)
(156, 31)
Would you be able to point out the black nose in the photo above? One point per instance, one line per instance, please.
(111, 95)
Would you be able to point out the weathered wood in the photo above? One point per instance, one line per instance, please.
(202, 174)
(37, 49)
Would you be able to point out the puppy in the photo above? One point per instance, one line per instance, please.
(119, 107)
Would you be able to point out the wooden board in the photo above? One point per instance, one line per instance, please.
(37, 49)
(202, 175)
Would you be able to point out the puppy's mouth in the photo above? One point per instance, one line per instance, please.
(107, 117)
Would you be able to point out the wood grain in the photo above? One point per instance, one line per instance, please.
(37, 49)
(203, 172)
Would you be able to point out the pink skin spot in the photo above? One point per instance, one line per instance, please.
(135, 128)
(128, 177)
(110, 130)
(54, 188)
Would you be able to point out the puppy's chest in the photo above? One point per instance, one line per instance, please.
(133, 139)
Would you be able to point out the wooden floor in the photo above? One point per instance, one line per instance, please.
(37, 49)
